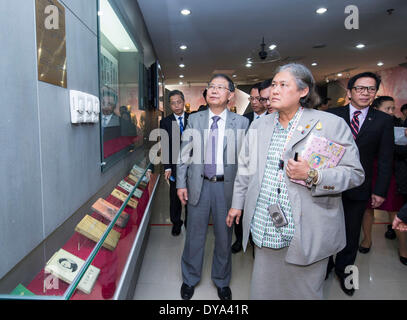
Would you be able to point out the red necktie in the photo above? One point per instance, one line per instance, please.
(354, 125)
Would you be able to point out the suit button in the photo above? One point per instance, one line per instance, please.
(202, 175)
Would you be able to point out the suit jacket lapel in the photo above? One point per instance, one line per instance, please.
(264, 139)
(307, 122)
(229, 128)
(368, 121)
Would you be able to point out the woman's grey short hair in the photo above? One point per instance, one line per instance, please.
(304, 79)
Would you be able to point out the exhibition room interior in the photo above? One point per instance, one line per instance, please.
(85, 206)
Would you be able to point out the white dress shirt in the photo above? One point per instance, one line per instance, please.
(361, 117)
(221, 135)
(183, 119)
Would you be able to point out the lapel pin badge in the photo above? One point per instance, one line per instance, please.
(300, 128)
(319, 126)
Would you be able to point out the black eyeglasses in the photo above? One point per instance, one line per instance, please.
(264, 99)
(360, 89)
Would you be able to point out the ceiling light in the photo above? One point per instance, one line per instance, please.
(272, 47)
(248, 65)
(380, 64)
(322, 10)
(185, 12)
(339, 74)
(181, 76)
(234, 76)
(183, 47)
(314, 64)
(360, 46)
(182, 65)
(126, 48)
(181, 83)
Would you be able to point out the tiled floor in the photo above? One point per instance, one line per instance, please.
(381, 275)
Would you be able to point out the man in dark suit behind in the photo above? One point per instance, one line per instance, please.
(178, 121)
(259, 110)
(373, 132)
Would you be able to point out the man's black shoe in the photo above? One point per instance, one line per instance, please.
(237, 247)
(176, 231)
(187, 292)
(390, 233)
(347, 291)
(225, 293)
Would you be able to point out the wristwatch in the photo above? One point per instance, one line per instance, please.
(312, 176)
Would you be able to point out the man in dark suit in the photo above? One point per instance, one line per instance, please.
(259, 110)
(373, 132)
(264, 91)
(174, 125)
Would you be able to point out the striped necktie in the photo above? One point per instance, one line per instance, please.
(354, 125)
(181, 125)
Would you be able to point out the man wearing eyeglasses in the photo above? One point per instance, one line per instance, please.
(258, 108)
(373, 132)
(174, 125)
(206, 185)
(264, 92)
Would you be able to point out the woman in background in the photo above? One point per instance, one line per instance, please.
(393, 202)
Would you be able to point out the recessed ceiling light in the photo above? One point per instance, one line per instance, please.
(182, 65)
(126, 48)
(181, 83)
(314, 64)
(360, 46)
(339, 74)
(185, 12)
(183, 47)
(248, 65)
(272, 47)
(234, 76)
(321, 10)
(380, 64)
(181, 76)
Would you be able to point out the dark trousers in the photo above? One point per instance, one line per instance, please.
(354, 211)
(176, 207)
(239, 230)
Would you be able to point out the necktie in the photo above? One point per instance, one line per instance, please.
(354, 125)
(181, 125)
(211, 148)
(258, 117)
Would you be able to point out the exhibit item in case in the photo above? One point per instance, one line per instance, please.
(65, 266)
(134, 180)
(129, 188)
(20, 290)
(122, 197)
(109, 211)
(94, 230)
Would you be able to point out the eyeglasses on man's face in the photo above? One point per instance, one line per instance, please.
(251, 99)
(218, 88)
(360, 89)
(176, 103)
(264, 100)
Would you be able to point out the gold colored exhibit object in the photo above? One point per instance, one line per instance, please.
(51, 42)
(122, 197)
(94, 230)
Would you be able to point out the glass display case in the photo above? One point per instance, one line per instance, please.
(95, 258)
